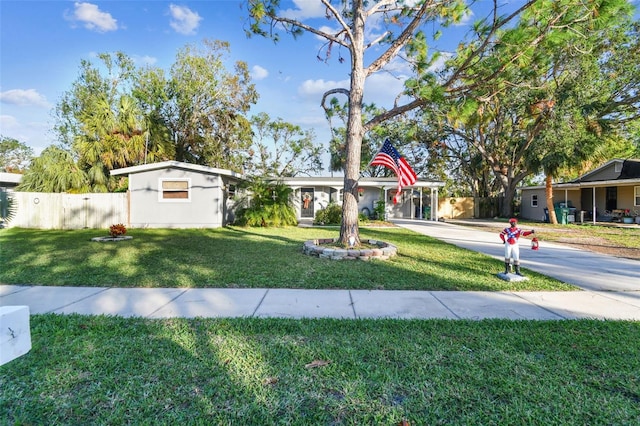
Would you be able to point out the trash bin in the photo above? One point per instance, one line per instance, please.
(426, 212)
(546, 215)
(562, 214)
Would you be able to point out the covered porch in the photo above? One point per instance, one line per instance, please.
(418, 201)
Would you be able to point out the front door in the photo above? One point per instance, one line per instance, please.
(612, 198)
(306, 203)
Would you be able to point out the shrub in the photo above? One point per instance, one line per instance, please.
(7, 207)
(268, 205)
(117, 230)
(267, 215)
(330, 215)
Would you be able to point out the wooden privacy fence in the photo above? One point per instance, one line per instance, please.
(468, 207)
(69, 211)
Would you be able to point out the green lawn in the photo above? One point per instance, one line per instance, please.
(115, 371)
(103, 370)
(246, 258)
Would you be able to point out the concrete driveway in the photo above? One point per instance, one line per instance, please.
(585, 269)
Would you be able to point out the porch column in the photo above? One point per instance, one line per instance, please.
(434, 204)
(337, 189)
(593, 214)
(295, 191)
(412, 205)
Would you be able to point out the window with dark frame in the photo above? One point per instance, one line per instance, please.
(534, 201)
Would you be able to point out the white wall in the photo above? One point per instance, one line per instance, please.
(204, 209)
(68, 211)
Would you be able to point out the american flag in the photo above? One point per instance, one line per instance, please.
(389, 157)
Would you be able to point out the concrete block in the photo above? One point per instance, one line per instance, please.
(15, 334)
(512, 277)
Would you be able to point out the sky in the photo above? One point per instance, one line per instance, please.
(43, 42)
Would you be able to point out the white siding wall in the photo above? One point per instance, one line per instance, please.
(204, 209)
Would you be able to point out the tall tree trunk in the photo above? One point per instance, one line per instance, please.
(506, 209)
(548, 192)
(349, 227)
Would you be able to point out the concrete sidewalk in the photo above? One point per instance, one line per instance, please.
(612, 291)
(345, 304)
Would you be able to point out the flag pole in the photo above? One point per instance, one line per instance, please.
(371, 161)
(374, 155)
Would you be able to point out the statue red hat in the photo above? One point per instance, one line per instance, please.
(513, 220)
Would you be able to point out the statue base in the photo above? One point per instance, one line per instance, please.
(511, 277)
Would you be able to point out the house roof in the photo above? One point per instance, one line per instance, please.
(337, 182)
(364, 182)
(175, 165)
(628, 175)
(10, 179)
(630, 169)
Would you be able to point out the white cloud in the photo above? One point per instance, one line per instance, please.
(466, 18)
(144, 60)
(34, 134)
(383, 88)
(93, 18)
(316, 88)
(259, 73)
(8, 122)
(184, 20)
(305, 9)
(20, 97)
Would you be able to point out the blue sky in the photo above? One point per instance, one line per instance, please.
(43, 42)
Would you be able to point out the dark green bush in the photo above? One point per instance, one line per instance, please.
(330, 215)
(269, 204)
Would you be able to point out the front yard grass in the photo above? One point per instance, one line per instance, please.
(246, 258)
(107, 370)
(115, 371)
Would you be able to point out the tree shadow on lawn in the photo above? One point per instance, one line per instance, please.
(111, 370)
(84, 369)
(245, 258)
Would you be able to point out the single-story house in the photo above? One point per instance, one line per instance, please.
(607, 193)
(182, 195)
(172, 194)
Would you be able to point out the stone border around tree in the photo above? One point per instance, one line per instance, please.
(319, 249)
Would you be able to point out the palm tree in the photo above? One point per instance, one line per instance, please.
(55, 170)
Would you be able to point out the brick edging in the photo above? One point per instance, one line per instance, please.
(316, 248)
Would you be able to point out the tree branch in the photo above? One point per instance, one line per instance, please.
(400, 41)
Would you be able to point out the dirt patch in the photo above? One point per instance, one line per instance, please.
(601, 245)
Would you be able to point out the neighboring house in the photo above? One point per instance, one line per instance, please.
(604, 194)
(9, 180)
(172, 194)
